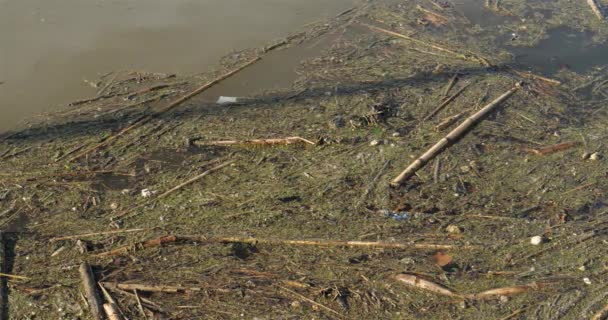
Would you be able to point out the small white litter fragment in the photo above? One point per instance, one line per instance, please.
(146, 193)
(587, 280)
(226, 100)
(536, 240)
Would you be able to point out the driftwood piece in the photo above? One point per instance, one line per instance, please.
(90, 289)
(453, 136)
(315, 243)
(596, 9)
(446, 102)
(145, 119)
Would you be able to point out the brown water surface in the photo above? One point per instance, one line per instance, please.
(49, 49)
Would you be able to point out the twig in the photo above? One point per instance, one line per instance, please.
(446, 102)
(170, 106)
(602, 314)
(88, 281)
(450, 85)
(596, 9)
(282, 141)
(88, 235)
(139, 305)
(149, 288)
(554, 148)
(3, 283)
(530, 75)
(316, 243)
(200, 176)
(428, 44)
(449, 121)
(12, 276)
(146, 244)
(326, 308)
(174, 189)
(112, 310)
(453, 136)
(102, 91)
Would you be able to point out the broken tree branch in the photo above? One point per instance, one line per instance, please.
(453, 136)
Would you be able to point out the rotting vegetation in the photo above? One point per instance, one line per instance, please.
(179, 226)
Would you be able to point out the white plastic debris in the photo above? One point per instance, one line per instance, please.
(587, 280)
(374, 143)
(226, 100)
(594, 156)
(536, 240)
(146, 193)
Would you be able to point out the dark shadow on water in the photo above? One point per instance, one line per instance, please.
(194, 108)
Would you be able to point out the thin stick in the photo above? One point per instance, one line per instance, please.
(332, 311)
(450, 85)
(170, 106)
(428, 44)
(90, 289)
(602, 314)
(149, 288)
(12, 276)
(146, 244)
(530, 75)
(453, 136)
(281, 141)
(111, 308)
(315, 243)
(200, 176)
(446, 102)
(3, 283)
(596, 9)
(102, 91)
(112, 311)
(139, 305)
(330, 243)
(88, 235)
(174, 189)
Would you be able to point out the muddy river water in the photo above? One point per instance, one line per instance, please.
(49, 49)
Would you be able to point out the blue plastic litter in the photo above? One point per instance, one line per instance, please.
(399, 216)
